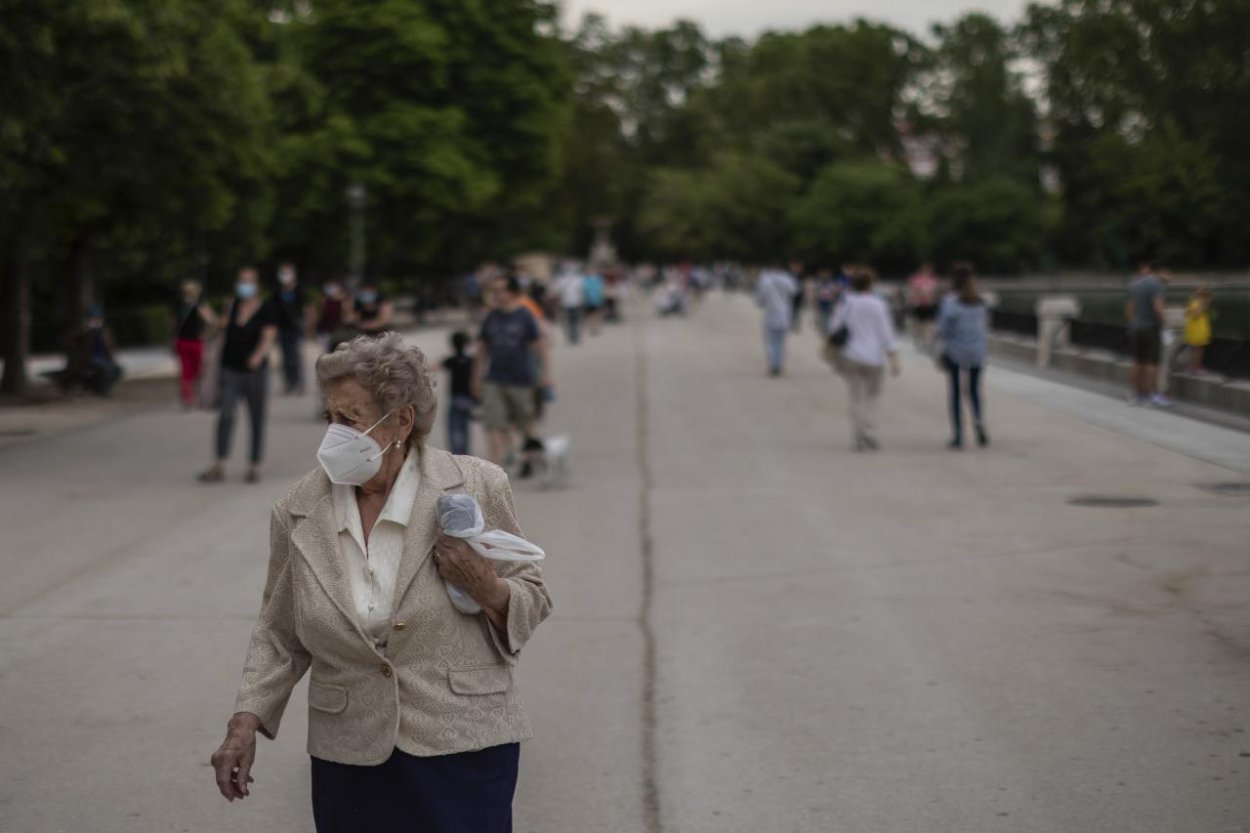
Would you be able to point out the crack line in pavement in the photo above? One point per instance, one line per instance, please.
(650, 787)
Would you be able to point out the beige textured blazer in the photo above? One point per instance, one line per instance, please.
(442, 684)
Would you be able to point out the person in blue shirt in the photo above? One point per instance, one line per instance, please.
(963, 330)
(504, 372)
(592, 286)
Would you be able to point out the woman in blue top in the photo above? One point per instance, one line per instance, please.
(593, 287)
(963, 329)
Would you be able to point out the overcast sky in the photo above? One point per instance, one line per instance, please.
(750, 17)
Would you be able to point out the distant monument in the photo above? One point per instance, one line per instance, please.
(602, 252)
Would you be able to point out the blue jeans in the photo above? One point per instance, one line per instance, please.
(573, 324)
(825, 309)
(775, 347)
(458, 416)
(974, 397)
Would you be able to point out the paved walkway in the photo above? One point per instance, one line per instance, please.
(755, 628)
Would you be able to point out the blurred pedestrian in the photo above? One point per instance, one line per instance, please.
(1144, 311)
(1198, 327)
(505, 372)
(534, 298)
(460, 404)
(291, 309)
(91, 356)
(922, 300)
(799, 297)
(570, 286)
(594, 289)
(471, 292)
(774, 294)
(613, 289)
(250, 332)
(371, 311)
(868, 345)
(963, 332)
(670, 298)
(332, 315)
(194, 320)
(414, 721)
(826, 297)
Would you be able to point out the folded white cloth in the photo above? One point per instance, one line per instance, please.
(460, 516)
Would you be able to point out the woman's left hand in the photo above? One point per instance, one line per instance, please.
(459, 564)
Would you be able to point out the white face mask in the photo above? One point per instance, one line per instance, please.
(351, 457)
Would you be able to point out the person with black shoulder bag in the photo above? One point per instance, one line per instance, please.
(862, 342)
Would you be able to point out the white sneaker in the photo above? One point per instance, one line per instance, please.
(1161, 401)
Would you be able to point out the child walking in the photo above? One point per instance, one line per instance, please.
(1198, 327)
(459, 365)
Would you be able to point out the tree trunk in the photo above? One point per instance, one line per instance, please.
(81, 281)
(16, 321)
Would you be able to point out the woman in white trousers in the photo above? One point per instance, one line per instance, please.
(869, 346)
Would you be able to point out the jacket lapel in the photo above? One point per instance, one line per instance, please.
(315, 534)
(439, 474)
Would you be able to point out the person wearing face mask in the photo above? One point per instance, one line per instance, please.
(248, 337)
(414, 719)
(371, 312)
(291, 308)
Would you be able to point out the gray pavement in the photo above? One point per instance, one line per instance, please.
(755, 628)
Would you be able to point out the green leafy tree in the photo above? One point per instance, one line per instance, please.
(810, 98)
(734, 209)
(1137, 91)
(986, 121)
(863, 212)
(633, 94)
(453, 114)
(139, 122)
(999, 225)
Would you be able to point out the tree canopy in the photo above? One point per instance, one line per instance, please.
(146, 140)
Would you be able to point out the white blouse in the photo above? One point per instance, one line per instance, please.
(872, 330)
(374, 568)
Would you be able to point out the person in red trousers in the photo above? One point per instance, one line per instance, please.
(193, 320)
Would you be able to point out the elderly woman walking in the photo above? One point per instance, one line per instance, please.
(863, 326)
(414, 718)
(963, 330)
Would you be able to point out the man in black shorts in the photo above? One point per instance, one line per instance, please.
(1144, 311)
(505, 373)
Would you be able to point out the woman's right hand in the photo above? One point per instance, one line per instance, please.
(233, 760)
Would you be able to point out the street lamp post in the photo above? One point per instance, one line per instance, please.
(356, 195)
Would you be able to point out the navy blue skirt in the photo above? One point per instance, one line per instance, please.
(469, 792)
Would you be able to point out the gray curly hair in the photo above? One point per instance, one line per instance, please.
(395, 373)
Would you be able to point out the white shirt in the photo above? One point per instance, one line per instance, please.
(872, 330)
(374, 568)
(572, 289)
(775, 292)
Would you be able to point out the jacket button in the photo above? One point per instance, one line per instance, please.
(386, 671)
(399, 626)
